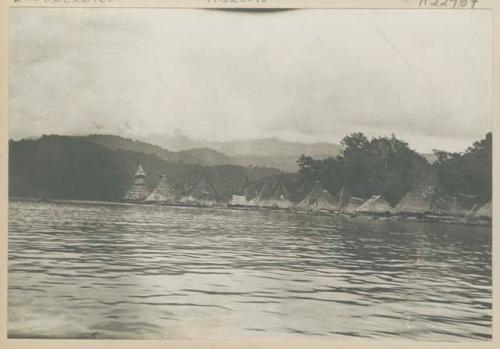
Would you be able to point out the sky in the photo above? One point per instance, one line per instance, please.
(301, 75)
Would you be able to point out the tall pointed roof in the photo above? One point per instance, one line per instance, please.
(138, 190)
(165, 192)
(140, 171)
(202, 194)
(454, 205)
(279, 198)
(264, 195)
(420, 198)
(344, 198)
(353, 205)
(246, 189)
(319, 199)
(204, 189)
(375, 204)
(484, 211)
(273, 196)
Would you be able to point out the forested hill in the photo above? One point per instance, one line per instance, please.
(193, 156)
(64, 167)
(389, 166)
(102, 168)
(205, 154)
(265, 152)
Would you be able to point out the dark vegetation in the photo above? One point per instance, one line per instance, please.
(468, 173)
(64, 167)
(388, 166)
(102, 168)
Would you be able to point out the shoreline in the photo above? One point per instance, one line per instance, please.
(383, 216)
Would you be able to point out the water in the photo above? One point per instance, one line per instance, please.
(146, 272)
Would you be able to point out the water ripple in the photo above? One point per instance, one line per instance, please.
(135, 271)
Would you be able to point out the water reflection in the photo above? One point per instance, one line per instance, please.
(133, 271)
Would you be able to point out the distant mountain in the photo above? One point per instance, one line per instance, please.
(120, 143)
(207, 156)
(271, 153)
(266, 147)
(176, 142)
(202, 156)
(102, 168)
(268, 152)
(285, 163)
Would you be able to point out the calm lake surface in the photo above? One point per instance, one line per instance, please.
(149, 272)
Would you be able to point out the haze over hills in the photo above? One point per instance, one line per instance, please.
(266, 152)
(102, 168)
(197, 155)
(257, 147)
(269, 153)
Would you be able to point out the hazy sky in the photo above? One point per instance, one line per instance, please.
(304, 75)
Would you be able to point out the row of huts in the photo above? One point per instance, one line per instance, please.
(201, 194)
(423, 199)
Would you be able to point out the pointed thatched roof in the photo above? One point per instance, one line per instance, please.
(247, 190)
(264, 195)
(420, 199)
(280, 197)
(344, 198)
(138, 190)
(347, 202)
(353, 205)
(484, 211)
(164, 193)
(202, 194)
(140, 172)
(426, 198)
(245, 196)
(375, 204)
(453, 205)
(272, 196)
(319, 199)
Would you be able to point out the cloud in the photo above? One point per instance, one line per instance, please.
(309, 75)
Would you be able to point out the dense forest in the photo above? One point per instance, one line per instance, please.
(388, 166)
(468, 173)
(64, 167)
(102, 168)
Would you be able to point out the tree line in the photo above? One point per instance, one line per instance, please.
(72, 168)
(388, 166)
(64, 167)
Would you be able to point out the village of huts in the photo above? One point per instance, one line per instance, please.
(423, 201)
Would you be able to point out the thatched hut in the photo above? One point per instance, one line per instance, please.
(353, 205)
(375, 204)
(245, 195)
(272, 196)
(279, 198)
(202, 194)
(453, 205)
(426, 198)
(484, 211)
(164, 193)
(344, 198)
(348, 203)
(247, 189)
(264, 197)
(138, 191)
(419, 200)
(319, 199)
